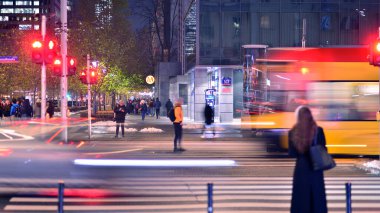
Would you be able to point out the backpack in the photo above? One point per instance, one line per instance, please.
(18, 112)
(171, 115)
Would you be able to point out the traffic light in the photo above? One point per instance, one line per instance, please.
(37, 52)
(57, 67)
(50, 51)
(374, 53)
(83, 76)
(71, 66)
(93, 76)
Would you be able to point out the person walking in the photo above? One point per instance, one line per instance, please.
(168, 106)
(308, 193)
(119, 116)
(157, 106)
(209, 119)
(177, 124)
(144, 109)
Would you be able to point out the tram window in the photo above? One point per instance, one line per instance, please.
(344, 101)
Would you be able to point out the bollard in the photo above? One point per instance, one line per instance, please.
(209, 196)
(61, 187)
(348, 197)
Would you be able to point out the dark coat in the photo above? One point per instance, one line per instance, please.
(308, 194)
(120, 112)
(209, 115)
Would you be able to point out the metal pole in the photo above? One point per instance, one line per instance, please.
(88, 96)
(209, 196)
(303, 33)
(61, 186)
(64, 59)
(43, 73)
(348, 197)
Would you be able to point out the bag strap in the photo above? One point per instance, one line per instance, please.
(315, 139)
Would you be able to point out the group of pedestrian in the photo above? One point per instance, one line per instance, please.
(15, 109)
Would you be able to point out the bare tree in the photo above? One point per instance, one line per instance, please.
(161, 16)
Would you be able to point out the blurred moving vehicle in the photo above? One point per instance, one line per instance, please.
(338, 85)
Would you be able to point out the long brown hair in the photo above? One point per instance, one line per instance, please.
(304, 130)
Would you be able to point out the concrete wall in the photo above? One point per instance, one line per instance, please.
(165, 71)
(226, 97)
(174, 92)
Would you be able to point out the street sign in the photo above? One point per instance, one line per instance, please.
(8, 59)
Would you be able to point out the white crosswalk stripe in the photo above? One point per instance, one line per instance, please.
(189, 194)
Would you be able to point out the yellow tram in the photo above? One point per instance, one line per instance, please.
(339, 86)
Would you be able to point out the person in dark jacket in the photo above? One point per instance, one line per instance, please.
(308, 193)
(144, 109)
(119, 116)
(26, 109)
(209, 119)
(168, 106)
(157, 106)
(50, 109)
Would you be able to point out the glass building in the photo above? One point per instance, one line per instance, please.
(213, 42)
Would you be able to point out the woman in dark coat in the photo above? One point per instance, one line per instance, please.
(119, 116)
(308, 194)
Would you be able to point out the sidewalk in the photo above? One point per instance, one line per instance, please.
(163, 127)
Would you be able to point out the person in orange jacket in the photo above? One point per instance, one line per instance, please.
(177, 123)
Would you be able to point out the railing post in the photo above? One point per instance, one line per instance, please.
(348, 197)
(209, 196)
(61, 187)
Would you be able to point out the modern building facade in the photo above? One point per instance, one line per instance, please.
(215, 31)
(26, 15)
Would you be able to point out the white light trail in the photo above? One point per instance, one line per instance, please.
(154, 163)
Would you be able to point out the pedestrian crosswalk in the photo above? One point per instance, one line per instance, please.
(188, 194)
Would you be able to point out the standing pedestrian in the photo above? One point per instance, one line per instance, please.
(15, 110)
(26, 109)
(157, 106)
(177, 123)
(7, 110)
(119, 116)
(168, 106)
(50, 109)
(308, 194)
(209, 119)
(144, 109)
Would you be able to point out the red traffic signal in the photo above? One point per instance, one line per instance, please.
(37, 52)
(50, 51)
(374, 53)
(71, 66)
(57, 67)
(93, 76)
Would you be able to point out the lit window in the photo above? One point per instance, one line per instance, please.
(7, 2)
(23, 10)
(24, 18)
(25, 27)
(23, 3)
(36, 10)
(7, 10)
(36, 27)
(36, 3)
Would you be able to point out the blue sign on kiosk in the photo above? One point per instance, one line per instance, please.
(226, 81)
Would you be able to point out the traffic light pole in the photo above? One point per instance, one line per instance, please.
(43, 73)
(64, 59)
(88, 96)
